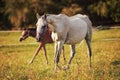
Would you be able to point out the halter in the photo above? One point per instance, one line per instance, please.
(45, 28)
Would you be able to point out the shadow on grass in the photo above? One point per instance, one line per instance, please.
(115, 63)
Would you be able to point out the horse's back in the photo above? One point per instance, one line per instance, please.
(75, 28)
(84, 17)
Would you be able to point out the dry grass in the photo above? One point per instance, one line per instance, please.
(105, 59)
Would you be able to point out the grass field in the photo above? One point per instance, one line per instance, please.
(15, 56)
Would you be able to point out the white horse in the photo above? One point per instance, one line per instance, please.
(66, 30)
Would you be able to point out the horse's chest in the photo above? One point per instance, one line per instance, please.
(54, 36)
(58, 36)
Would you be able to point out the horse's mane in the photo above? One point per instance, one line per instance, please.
(29, 29)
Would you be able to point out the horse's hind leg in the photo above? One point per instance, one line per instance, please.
(63, 54)
(71, 57)
(88, 41)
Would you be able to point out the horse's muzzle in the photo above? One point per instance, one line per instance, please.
(20, 39)
(38, 39)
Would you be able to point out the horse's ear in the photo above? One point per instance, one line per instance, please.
(38, 16)
(24, 28)
(45, 16)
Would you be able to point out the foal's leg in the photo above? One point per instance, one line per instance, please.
(58, 47)
(36, 53)
(45, 53)
(71, 56)
(88, 41)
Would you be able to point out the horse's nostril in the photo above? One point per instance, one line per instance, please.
(37, 39)
(20, 39)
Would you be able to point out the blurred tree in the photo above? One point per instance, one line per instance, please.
(106, 9)
(21, 13)
(17, 11)
(3, 18)
(114, 9)
(72, 9)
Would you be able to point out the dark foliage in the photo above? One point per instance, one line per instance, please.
(17, 14)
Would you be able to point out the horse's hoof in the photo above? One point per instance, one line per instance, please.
(65, 68)
(65, 61)
(47, 63)
(30, 62)
(56, 71)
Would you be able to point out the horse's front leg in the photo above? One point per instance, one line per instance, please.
(45, 53)
(58, 47)
(71, 57)
(36, 52)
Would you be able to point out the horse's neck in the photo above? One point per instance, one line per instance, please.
(49, 31)
(55, 21)
(32, 33)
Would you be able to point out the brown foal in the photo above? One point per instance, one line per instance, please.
(45, 38)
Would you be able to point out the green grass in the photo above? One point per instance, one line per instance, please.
(15, 56)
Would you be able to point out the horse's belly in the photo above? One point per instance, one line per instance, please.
(76, 36)
(75, 39)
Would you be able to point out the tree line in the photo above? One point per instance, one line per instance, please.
(17, 14)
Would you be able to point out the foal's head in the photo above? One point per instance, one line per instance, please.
(25, 34)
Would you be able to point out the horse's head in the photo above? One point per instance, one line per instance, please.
(25, 34)
(41, 26)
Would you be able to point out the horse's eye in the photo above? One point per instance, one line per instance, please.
(43, 18)
(36, 24)
(44, 26)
